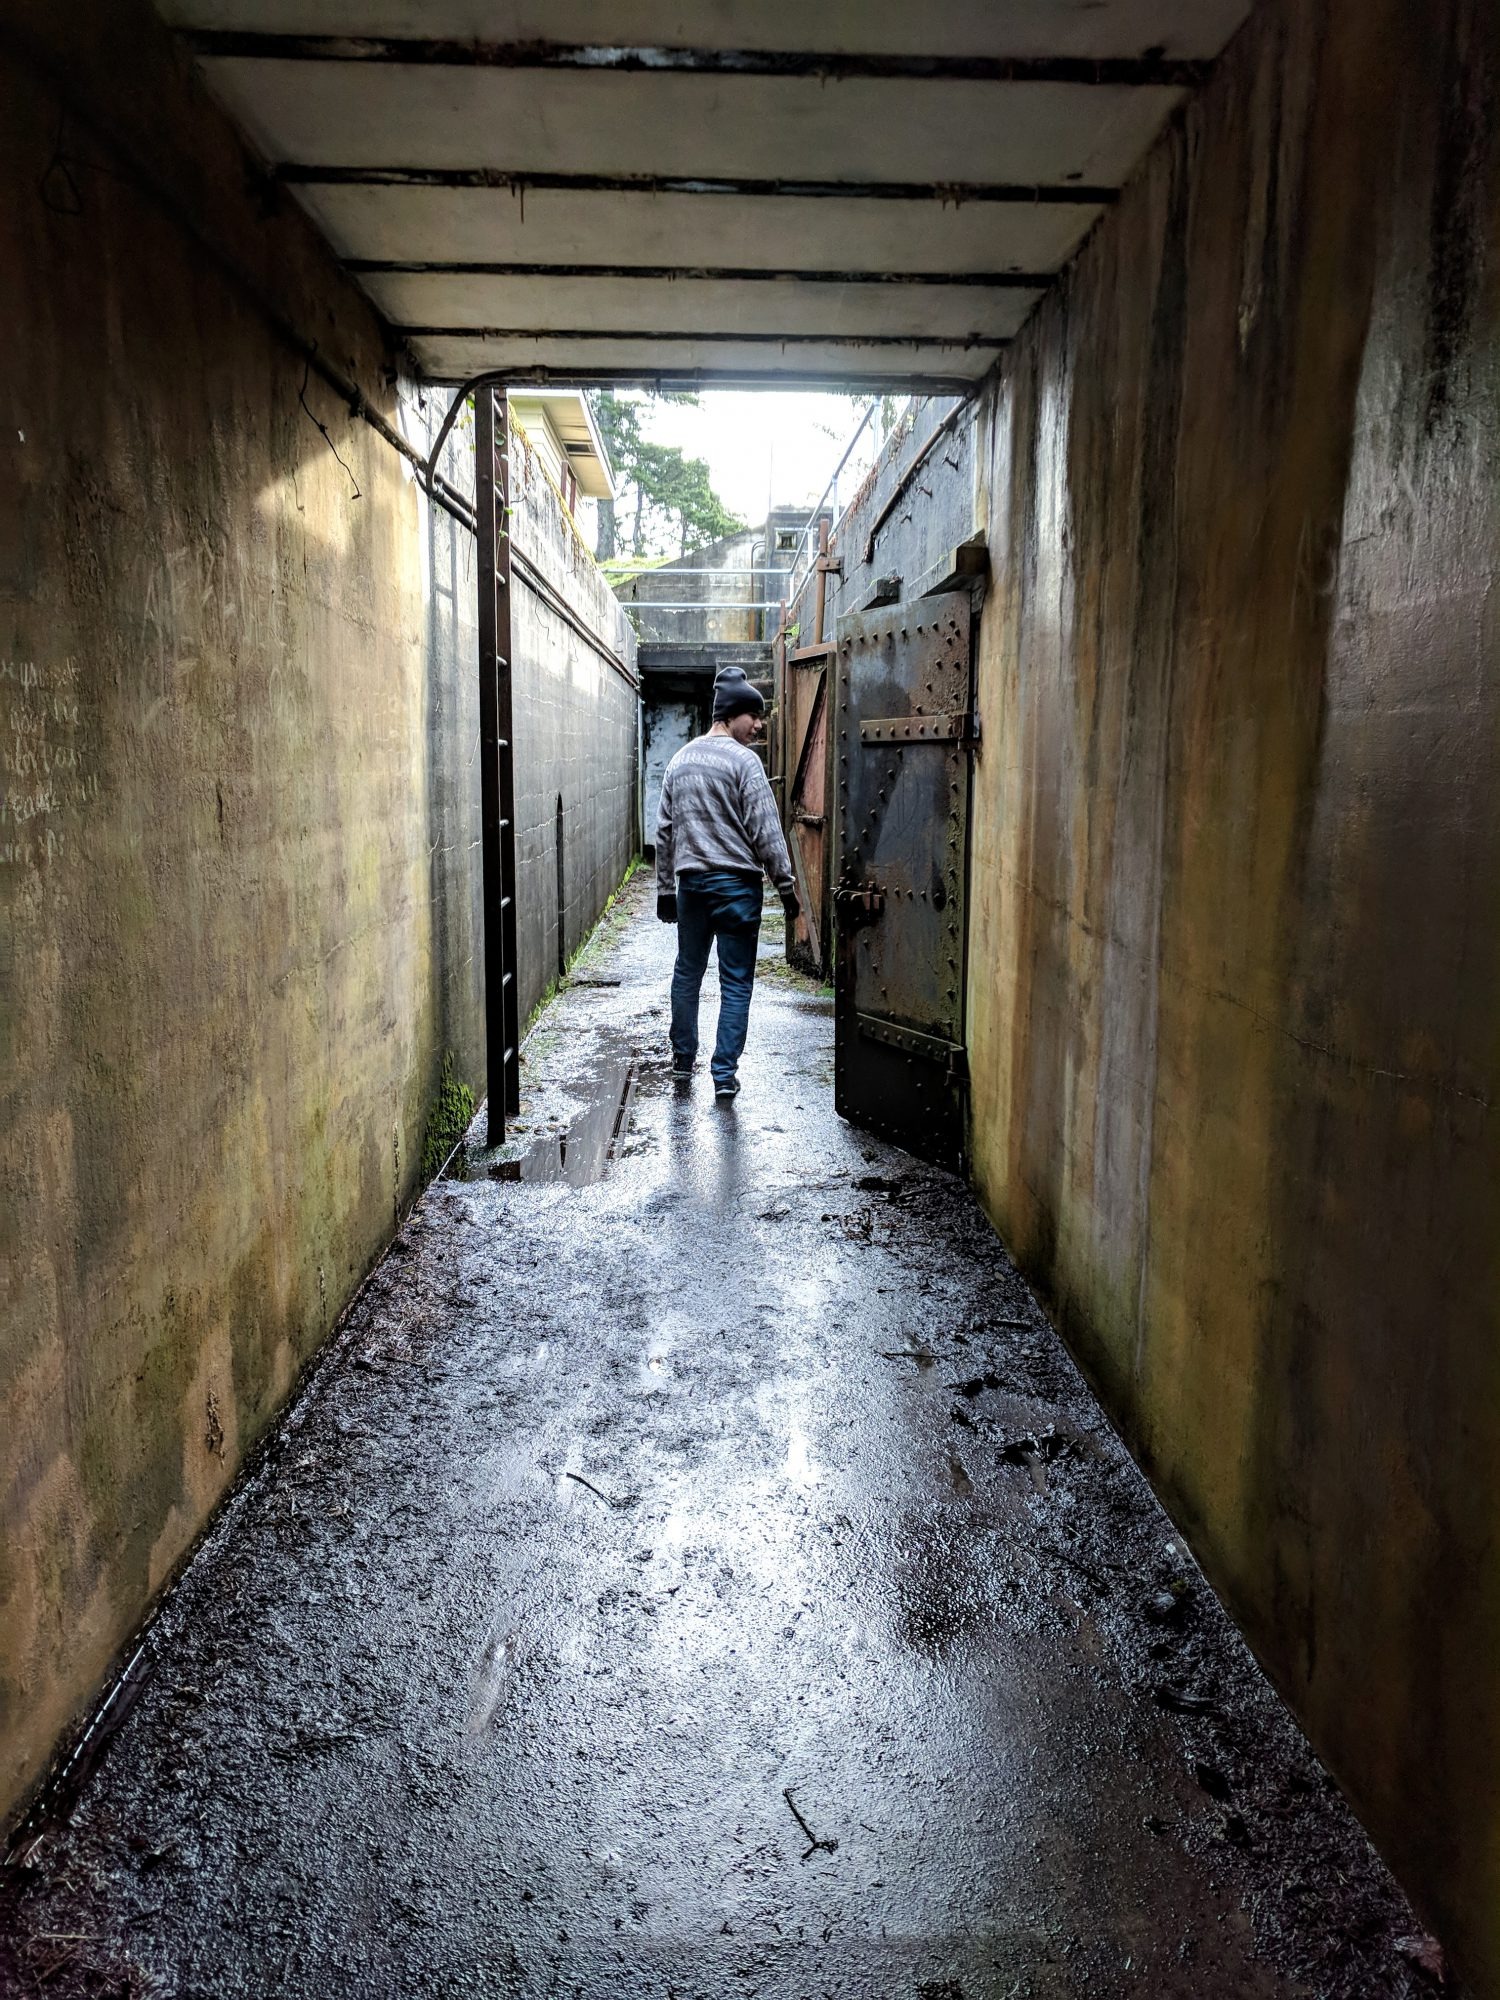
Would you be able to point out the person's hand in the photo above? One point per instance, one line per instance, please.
(790, 905)
(666, 909)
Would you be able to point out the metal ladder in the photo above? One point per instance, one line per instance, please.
(497, 774)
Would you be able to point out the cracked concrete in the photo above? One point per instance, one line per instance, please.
(711, 1578)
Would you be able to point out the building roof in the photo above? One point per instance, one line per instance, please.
(567, 411)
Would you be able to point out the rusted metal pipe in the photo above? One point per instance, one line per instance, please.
(820, 588)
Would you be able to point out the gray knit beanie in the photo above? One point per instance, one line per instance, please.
(733, 695)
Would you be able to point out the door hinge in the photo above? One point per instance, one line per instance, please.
(919, 729)
(857, 907)
(952, 1057)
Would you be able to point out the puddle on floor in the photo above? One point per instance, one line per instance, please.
(496, 1658)
(582, 1152)
(958, 1477)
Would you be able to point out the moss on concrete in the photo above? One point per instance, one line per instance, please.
(452, 1114)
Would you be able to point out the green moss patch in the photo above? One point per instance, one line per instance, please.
(451, 1115)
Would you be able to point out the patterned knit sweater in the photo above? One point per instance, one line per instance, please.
(717, 811)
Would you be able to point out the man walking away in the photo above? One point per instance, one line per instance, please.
(716, 830)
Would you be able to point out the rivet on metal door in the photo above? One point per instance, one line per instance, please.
(905, 732)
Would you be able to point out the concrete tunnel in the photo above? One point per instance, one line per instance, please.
(1009, 1508)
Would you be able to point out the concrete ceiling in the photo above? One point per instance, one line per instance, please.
(866, 193)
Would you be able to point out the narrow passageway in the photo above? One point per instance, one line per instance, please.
(701, 1572)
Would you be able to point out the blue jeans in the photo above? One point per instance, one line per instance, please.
(715, 903)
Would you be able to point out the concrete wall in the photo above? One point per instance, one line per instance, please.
(239, 913)
(682, 582)
(916, 519)
(220, 951)
(1235, 971)
(450, 626)
(577, 710)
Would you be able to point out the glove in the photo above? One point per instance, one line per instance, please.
(666, 908)
(791, 906)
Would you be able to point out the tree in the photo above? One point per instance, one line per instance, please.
(670, 496)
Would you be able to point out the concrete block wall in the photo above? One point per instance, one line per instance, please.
(577, 708)
(450, 625)
(683, 582)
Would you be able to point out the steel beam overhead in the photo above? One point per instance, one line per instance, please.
(892, 382)
(734, 274)
(299, 173)
(865, 195)
(1149, 72)
(837, 339)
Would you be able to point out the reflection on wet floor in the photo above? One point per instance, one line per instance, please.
(581, 1151)
(705, 1576)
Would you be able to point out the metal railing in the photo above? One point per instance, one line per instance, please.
(703, 604)
(650, 567)
(804, 549)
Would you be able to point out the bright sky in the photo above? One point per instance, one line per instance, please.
(768, 447)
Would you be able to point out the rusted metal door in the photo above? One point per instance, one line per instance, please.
(904, 734)
(808, 745)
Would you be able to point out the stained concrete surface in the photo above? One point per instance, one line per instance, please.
(234, 905)
(625, 1517)
(1233, 1039)
(239, 824)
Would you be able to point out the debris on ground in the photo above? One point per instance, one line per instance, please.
(1184, 1701)
(976, 1385)
(1169, 1606)
(411, 1726)
(814, 1844)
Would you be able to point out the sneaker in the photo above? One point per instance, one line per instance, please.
(683, 1065)
(728, 1088)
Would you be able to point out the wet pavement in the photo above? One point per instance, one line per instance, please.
(697, 1570)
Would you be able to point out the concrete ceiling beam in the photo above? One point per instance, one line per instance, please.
(634, 304)
(864, 194)
(578, 226)
(942, 28)
(849, 365)
(1155, 70)
(687, 274)
(670, 132)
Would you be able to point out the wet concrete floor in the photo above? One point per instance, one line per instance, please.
(697, 1570)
